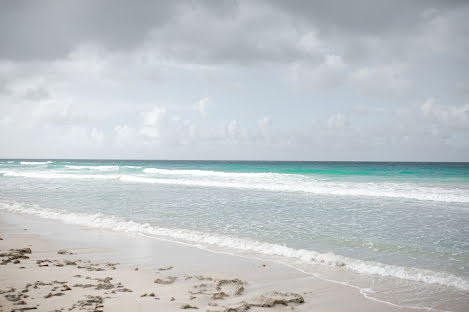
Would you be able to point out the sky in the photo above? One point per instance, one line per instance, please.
(235, 80)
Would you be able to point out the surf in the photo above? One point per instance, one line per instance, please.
(258, 181)
(208, 240)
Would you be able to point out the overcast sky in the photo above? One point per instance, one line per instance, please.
(274, 80)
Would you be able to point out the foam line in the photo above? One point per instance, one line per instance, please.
(241, 245)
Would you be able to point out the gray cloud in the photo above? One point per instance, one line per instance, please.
(364, 16)
(51, 29)
(227, 31)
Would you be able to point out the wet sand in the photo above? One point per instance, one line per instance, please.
(50, 266)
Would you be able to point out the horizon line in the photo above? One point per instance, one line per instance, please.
(236, 160)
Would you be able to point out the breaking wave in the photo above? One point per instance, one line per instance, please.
(261, 181)
(56, 175)
(97, 168)
(241, 244)
(35, 162)
(207, 173)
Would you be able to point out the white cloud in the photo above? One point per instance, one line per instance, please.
(235, 132)
(233, 129)
(155, 116)
(265, 128)
(96, 136)
(202, 106)
(337, 121)
(154, 122)
(158, 126)
(453, 117)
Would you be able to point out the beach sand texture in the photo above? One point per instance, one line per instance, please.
(40, 273)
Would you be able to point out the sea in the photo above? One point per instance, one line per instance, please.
(396, 231)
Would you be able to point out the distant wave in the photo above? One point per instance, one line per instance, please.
(98, 168)
(276, 182)
(35, 162)
(207, 173)
(389, 190)
(241, 244)
(56, 175)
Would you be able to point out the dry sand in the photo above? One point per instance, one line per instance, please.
(38, 272)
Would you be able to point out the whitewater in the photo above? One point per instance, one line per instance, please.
(260, 181)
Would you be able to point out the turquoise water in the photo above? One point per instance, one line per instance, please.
(382, 224)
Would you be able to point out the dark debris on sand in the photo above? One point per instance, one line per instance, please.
(14, 255)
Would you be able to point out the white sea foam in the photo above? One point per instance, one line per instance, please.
(56, 175)
(241, 245)
(274, 182)
(35, 162)
(97, 168)
(289, 184)
(206, 173)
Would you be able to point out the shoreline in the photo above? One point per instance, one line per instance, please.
(266, 285)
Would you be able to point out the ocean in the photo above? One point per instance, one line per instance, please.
(397, 231)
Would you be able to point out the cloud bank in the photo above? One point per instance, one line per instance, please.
(302, 80)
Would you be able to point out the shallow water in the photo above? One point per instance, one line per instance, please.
(386, 225)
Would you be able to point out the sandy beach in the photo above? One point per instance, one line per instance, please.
(50, 266)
